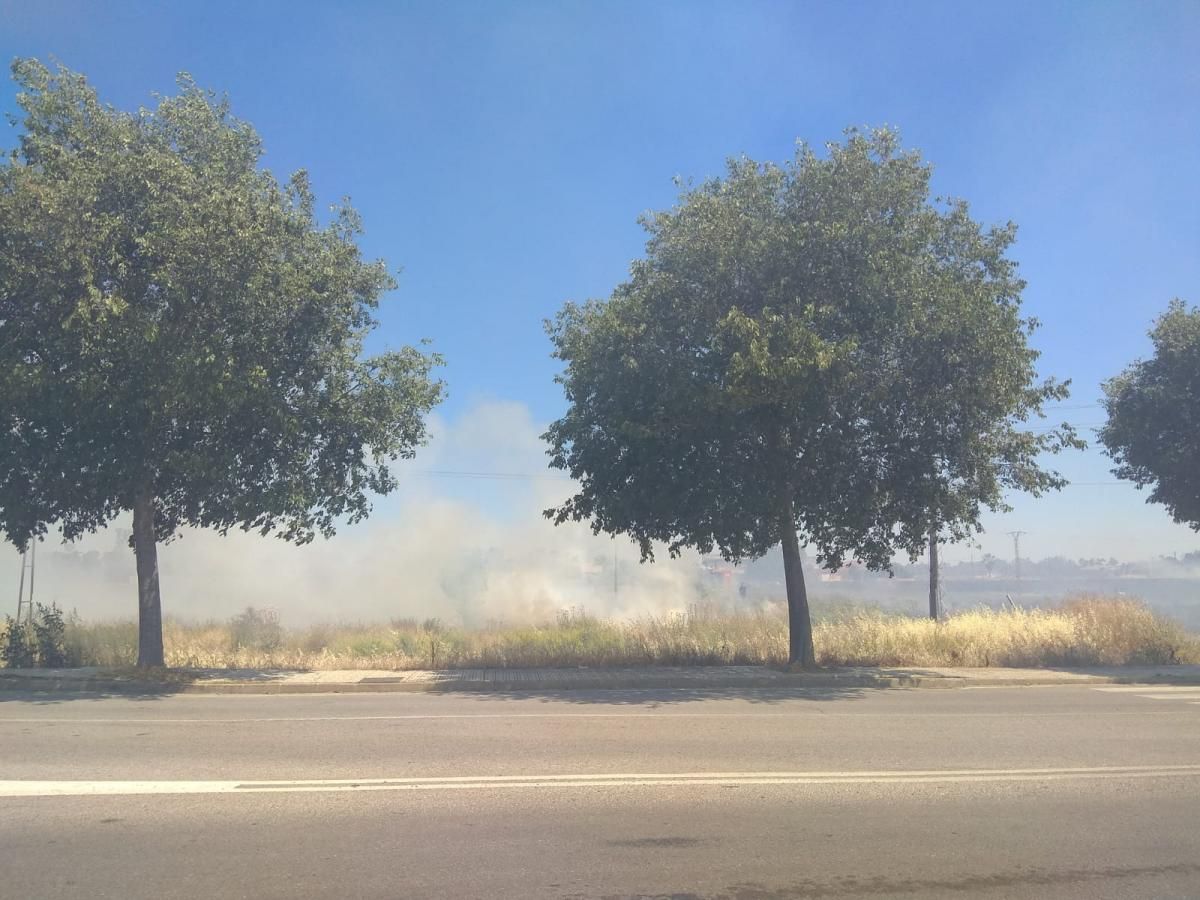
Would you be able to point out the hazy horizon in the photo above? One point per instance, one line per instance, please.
(463, 539)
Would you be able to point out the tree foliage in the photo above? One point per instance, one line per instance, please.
(1153, 428)
(817, 347)
(175, 324)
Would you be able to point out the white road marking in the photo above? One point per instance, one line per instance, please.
(647, 714)
(1189, 694)
(1184, 697)
(492, 782)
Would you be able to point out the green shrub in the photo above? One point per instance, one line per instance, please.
(40, 642)
(49, 632)
(255, 629)
(17, 645)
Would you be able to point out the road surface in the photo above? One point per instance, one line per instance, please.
(757, 795)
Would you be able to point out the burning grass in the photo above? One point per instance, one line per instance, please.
(1085, 631)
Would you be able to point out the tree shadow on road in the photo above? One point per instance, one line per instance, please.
(55, 697)
(104, 685)
(652, 698)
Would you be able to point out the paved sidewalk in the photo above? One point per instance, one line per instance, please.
(260, 681)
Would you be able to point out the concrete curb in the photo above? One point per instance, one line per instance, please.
(599, 681)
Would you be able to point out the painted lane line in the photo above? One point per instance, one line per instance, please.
(650, 714)
(110, 788)
(1185, 697)
(1157, 688)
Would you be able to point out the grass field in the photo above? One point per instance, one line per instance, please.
(1083, 631)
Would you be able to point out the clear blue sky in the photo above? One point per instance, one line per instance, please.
(501, 152)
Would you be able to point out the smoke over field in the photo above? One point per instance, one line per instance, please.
(457, 541)
(464, 541)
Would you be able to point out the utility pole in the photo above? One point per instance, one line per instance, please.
(32, 572)
(25, 603)
(1016, 536)
(935, 605)
(614, 540)
(21, 589)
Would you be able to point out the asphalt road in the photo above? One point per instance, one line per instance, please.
(759, 795)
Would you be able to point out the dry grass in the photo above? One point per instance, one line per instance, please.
(1084, 631)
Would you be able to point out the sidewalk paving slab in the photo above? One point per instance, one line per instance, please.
(266, 681)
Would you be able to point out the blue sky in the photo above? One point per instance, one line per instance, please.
(501, 152)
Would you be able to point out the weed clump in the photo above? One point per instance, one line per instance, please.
(254, 629)
(40, 641)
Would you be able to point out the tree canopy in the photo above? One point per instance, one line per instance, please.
(180, 336)
(818, 348)
(1153, 428)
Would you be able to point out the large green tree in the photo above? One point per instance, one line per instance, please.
(955, 393)
(815, 351)
(180, 337)
(1153, 428)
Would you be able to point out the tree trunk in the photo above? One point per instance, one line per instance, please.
(800, 638)
(145, 548)
(935, 606)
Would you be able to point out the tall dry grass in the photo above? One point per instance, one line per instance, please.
(1085, 631)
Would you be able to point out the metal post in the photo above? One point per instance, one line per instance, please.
(21, 590)
(1016, 536)
(614, 571)
(32, 572)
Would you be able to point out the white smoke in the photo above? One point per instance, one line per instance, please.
(457, 542)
